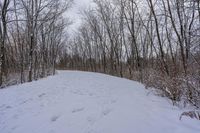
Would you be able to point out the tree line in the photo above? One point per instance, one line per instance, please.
(31, 34)
(156, 42)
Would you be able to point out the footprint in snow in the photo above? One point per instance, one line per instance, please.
(3, 108)
(8, 107)
(28, 100)
(77, 110)
(91, 120)
(106, 112)
(55, 118)
(15, 127)
(77, 92)
(41, 95)
(113, 101)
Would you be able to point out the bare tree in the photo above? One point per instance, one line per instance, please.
(3, 35)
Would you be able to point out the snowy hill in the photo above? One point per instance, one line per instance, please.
(83, 102)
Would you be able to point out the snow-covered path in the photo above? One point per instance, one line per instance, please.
(83, 102)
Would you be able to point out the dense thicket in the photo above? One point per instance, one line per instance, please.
(156, 42)
(31, 33)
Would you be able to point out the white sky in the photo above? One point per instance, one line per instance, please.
(74, 12)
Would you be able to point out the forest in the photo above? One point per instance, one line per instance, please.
(31, 33)
(155, 42)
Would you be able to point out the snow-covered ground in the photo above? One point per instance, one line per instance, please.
(83, 102)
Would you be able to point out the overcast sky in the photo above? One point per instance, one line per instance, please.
(74, 12)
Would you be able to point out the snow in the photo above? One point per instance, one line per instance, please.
(84, 102)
